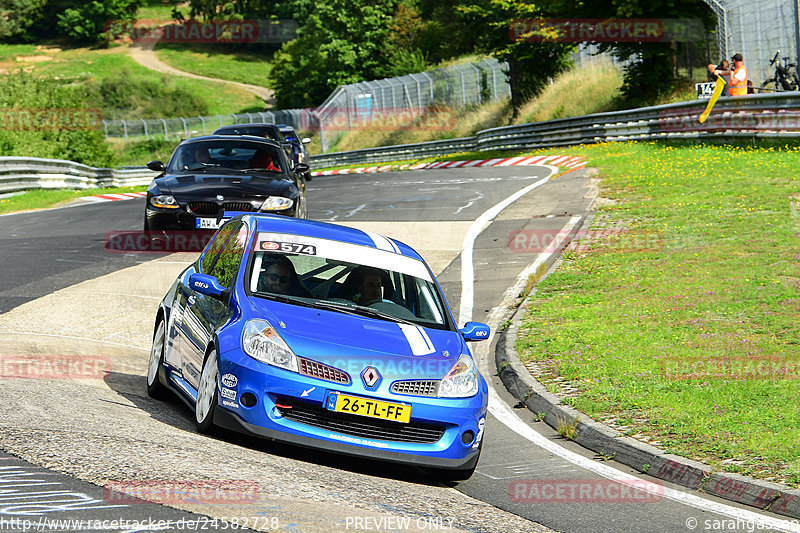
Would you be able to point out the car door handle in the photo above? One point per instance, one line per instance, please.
(191, 299)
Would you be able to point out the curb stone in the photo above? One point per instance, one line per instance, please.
(643, 457)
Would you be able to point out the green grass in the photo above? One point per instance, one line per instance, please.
(592, 88)
(706, 266)
(158, 10)
(233, 62)
(44, 198)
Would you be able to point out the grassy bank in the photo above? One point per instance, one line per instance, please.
(679, 324)
(44, 198)
(232, 62)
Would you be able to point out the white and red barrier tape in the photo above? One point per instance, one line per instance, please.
(114, 197)
(570, 162)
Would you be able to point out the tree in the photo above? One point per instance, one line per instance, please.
(649, 73)
(90, 21)
(18, 16)
(340, 42)
(530, 64)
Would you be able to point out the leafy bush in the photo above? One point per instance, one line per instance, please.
(89, 21)
(41, 117)
(126, 96)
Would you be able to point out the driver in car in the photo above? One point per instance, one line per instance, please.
(370, 287)
(200, 157)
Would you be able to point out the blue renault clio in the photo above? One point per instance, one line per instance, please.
(323, 336)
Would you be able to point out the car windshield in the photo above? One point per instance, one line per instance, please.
(230, 154)
(258, 131)
(346, 278)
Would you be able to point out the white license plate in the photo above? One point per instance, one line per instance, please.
(209, 223)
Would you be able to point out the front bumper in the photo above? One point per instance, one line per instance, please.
(458, 421)
(179, 220)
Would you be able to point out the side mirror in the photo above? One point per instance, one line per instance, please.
(301, 168)
(306, 140)
(158, 166)
(475, 331)
(205, 284)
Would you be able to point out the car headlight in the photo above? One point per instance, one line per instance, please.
(276, 203)
(165, 201)
(461, 381)
(261, 342)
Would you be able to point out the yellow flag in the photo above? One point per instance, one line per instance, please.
(714, 97)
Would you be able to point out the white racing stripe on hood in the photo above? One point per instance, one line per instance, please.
(417, 338)
(382, 243)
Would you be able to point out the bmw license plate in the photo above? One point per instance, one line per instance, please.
(396, 412)
(209, 223)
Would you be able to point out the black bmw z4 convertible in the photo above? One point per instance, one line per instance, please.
(207, 176)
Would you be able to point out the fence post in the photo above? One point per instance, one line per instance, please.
(203, 122)
(146, 137)
(166, 135)
(125, 129)
(446, 83)
(185, 130)
(105, 128)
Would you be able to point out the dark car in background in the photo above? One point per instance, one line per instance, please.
(208, 176)
(268, 131)
(299, 150)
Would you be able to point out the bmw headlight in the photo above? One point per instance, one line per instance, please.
(261, 342)
(276, 203)
(461, 381)
(165, 201)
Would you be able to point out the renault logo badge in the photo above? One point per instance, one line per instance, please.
(370, 376)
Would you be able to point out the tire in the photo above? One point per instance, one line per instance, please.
(771, 85)
(207, 395)
(155, 389)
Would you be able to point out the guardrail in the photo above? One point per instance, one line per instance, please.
(764, 116)
(755, 117)
(25, 173)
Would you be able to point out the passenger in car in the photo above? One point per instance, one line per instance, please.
(262, 159)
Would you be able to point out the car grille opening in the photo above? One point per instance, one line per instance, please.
(416, 387)
(211, 208)
(323, 371)
(358, 426)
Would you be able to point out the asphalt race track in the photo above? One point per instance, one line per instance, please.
(62, 294)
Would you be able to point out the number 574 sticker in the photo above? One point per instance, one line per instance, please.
(288, 247)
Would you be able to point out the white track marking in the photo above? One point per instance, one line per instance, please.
(467, 268)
